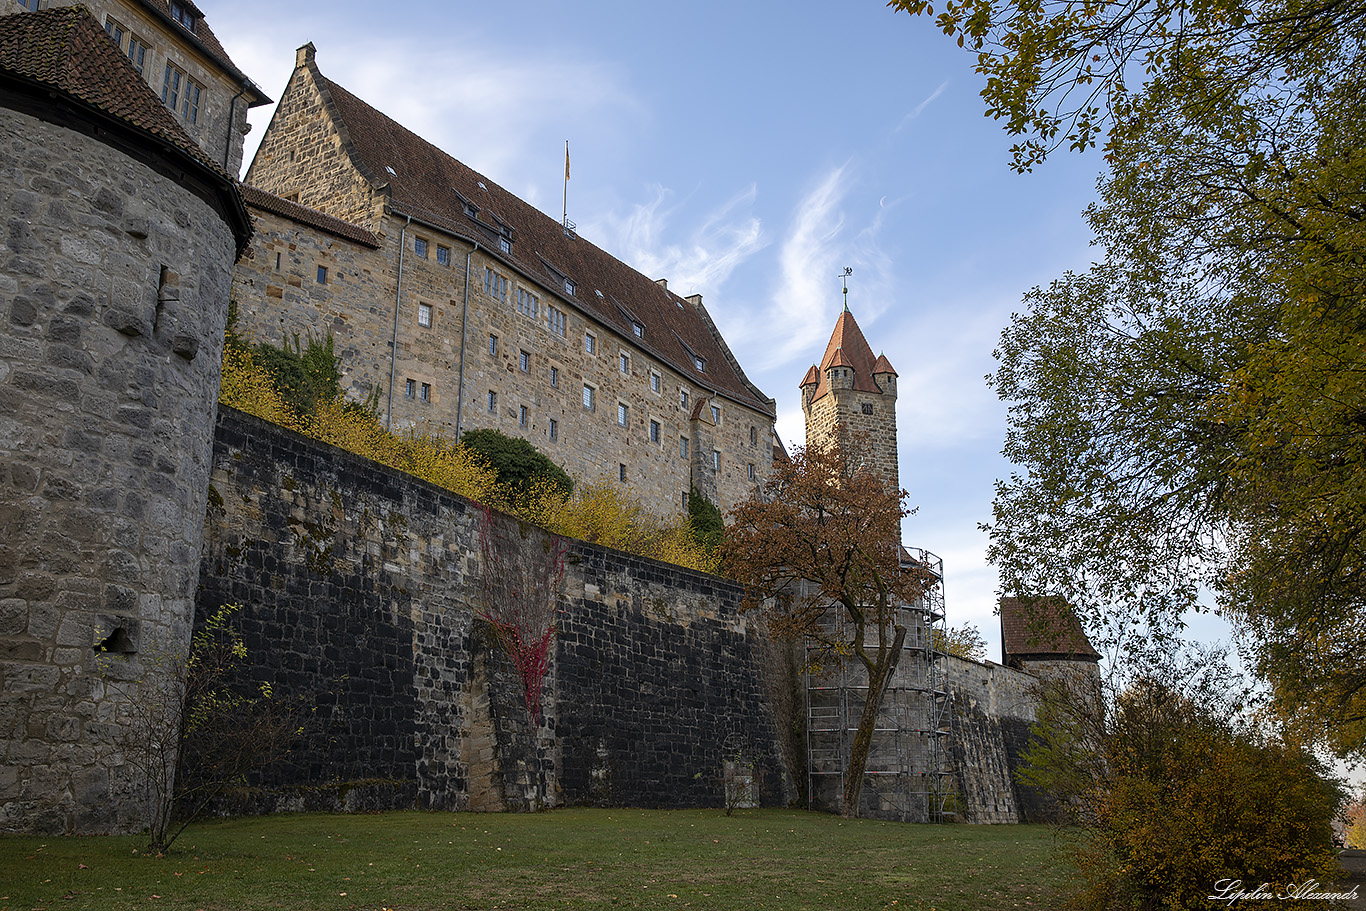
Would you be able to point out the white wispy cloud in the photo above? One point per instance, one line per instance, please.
(491, 109)
(714, 247)
(920, 108)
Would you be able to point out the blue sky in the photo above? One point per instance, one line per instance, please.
(747, 151)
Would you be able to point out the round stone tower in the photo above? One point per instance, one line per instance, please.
(852, 393)
(119, 241)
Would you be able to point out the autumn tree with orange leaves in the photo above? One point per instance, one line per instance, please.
(820, 542)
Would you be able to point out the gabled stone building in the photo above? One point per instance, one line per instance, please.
(464, 307)
(172, 48)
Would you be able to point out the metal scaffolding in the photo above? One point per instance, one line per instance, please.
(908, 776)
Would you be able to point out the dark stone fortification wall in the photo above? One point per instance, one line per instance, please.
(358, 589)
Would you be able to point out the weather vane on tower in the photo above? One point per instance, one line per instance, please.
(844, 278)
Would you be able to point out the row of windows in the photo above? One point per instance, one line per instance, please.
(421, 248)
(179, 92)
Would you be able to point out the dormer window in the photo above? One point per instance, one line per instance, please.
(505, 245)
(182, 14)
(699, 363)
(638, 329)
(570, 287)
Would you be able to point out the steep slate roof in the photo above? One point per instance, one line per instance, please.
(208, 41)
(269, 202)
(433, 187)
(1042, 628)
(848, 348)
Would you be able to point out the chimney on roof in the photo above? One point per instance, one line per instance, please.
(663, 283)
(304, 55)
(694, 299)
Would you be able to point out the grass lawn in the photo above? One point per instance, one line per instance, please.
(780, 859)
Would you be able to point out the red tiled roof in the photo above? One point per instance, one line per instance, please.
(431, 186)
(1042, 628)
(269, 202)
(65, 48)
(883, 366)
(848, 345)
(812, 377)
(204, 36)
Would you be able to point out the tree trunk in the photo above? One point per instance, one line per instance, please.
(879, 675)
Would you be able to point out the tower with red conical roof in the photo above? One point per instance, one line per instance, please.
(850, 393)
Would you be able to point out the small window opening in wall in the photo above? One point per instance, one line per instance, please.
(866, 407)
(410, 389)
(522, 418)
(493, 344)
(493, 402)
(685, 499)
(524, 361)
(715, 415)
(443, 255)
(426, 392)
(424, 315)
(621, 472)
(555, 376)
(420, 247)
(116, 643)
(751, 471)
(322, 275)
(683, 447)
(753, 435)
(716, 460)
(654, 431)
(554, 430)
(278, 257)
(625, 363)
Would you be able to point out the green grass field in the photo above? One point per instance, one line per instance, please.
(563, 859)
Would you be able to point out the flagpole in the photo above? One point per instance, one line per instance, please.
(564, 218)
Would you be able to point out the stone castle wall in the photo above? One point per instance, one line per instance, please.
(113, 301)
(358, 589)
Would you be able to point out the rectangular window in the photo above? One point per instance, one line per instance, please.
(638, 329)
(522, 416)
(625, 363)
(685, 500)
(443, 255)
(171, 86)
(189, 106)
(115, 30)
(277, 261)
(420, 247)
(590, 344)
(588, 396)
(555, 377)
(524, 361)
(623, 414)
(751, 471)
(715, 414)
(654, 431)
(493, 344)
(654, 382)
(505, 245)
(322, 275)
(621, 472)
(753, 435)
(683, 399)
(137, 52)
(493, 402)
(495, 285)
(526, 303)
(554, 430)
(426, 392)
(716, 459)
(424, 315)
(683, 447)
(555, 321)
(181, 13)
(410, 390)
(570, 287)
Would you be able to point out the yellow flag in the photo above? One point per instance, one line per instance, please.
(566, 161)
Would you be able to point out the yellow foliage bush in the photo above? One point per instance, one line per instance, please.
(597, 513)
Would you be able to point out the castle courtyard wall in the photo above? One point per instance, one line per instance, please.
(358, 591)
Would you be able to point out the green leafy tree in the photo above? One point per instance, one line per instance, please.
(965, 641)
(708, 527)
(520, 466)
(305, 375)
(1187, 414)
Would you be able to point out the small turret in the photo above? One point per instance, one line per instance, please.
(885, 376)
(808, 386)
